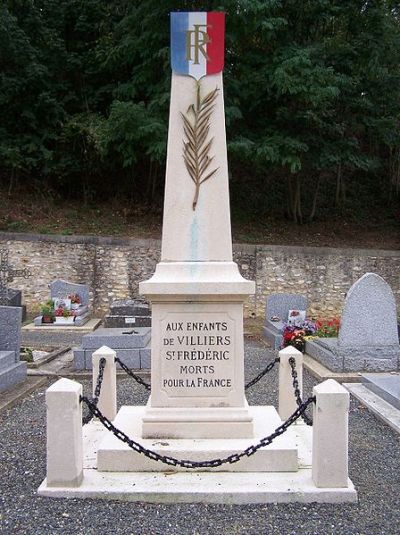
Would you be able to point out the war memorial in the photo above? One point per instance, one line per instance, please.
(197, 422)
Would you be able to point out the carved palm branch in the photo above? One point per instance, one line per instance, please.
(196, 150)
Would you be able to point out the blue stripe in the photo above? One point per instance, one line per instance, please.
(179, 27)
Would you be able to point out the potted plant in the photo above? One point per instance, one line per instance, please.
(47, 311)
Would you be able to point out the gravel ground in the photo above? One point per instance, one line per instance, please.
(374, 469)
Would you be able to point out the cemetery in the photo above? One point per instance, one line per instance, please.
(193, 389)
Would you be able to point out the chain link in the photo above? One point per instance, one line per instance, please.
(133, 375)
(97, 390)
(261, 374)
(172, 461)
(296, 388)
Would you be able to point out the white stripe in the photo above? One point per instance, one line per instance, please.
(197, 71)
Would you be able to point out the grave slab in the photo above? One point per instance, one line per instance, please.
(130, 357)
(387, 386)
(132, 346)
(127, 338)
(383, 410)
(55, 336)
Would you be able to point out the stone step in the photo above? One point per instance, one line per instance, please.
(126, 321)
(7, 359)
(12, 375)
(280, 456)
(129, 308)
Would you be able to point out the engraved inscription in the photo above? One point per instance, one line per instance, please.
(197, 355)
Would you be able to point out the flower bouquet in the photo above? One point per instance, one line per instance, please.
(296, 335)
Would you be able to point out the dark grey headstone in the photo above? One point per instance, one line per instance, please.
(280, 304)
(129, 307)
(61, 288)
(14, 298)
(369, 316)
(10, 329)
(12, 370)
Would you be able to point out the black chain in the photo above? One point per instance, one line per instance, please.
(299, 401)
(148, 387)
(171, 461)
(133, 375)
(261, 374)
(97, 390)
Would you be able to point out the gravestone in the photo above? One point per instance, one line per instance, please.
(61, 289)
(368, 338)
(128, 313)
(12, 369)
(276, 314)
(9, 296)
(131, 344)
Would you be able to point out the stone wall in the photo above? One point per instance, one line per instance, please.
(113, 267)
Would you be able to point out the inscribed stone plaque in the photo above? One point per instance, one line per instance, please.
(196, 354)
(196, 347)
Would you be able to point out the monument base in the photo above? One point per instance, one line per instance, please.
(254, 485)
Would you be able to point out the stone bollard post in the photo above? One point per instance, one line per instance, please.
(64, 434)
(287, 401)
(107, 403)
(330, 435)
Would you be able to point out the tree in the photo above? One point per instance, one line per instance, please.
(311, 94)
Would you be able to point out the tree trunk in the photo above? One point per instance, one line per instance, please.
(340, 196)
(294, 199)
(314, 203)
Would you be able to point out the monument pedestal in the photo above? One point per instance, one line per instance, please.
(197, 352)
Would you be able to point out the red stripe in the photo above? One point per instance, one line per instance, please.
(216, 45)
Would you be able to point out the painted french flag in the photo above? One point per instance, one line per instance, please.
(197, 43)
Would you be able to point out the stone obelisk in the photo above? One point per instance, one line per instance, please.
(197, 292)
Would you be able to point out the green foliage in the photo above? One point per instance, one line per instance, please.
(311, 93)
